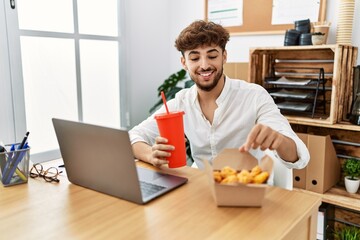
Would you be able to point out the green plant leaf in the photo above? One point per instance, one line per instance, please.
(172, 81)
(189, 83)
(169, 95)
(347, 233)
(170, 87)
(351, 168)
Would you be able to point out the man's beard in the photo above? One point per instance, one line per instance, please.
(210, 87)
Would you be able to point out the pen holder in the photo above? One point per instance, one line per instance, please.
(14, 166)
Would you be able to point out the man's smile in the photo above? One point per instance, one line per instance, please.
(206, 75)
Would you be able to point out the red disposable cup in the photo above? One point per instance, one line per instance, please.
(171, 127)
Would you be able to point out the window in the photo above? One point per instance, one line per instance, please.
(70, 53)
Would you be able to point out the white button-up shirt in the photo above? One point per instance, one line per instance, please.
(240, 106)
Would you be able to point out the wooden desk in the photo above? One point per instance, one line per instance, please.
(40, 210)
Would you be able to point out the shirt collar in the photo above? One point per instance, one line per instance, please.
(220, 99)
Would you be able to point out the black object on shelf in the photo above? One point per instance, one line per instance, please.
(292, 37)
(303, 26)
(298, 94)
(305, 39)
(355, 111)
(300, 35)
(355, 106)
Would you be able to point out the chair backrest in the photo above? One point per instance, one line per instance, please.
(283, 176)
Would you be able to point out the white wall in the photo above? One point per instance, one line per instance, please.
(182, 14)
(147, 50)
(238, 46)
(153, 56)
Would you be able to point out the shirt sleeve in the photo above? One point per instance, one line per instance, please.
(302, 151)
(269, 115)
(146, 132)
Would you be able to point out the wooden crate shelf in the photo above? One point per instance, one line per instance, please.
(336, 60)
(318, 123)
(345, 138)
(339, 197)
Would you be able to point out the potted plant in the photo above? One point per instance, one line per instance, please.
(173, 84)
(318, 38)
(347, 233)
(351, 170)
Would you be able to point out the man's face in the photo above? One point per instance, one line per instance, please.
(205, 66)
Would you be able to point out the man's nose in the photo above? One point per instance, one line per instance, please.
(204, 64)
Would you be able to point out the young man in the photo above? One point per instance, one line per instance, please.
(219, 112)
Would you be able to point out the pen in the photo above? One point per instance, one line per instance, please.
(12, 149)
(24, 140)
(18, 171)
(3, 160)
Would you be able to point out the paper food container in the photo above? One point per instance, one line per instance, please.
(238, 194)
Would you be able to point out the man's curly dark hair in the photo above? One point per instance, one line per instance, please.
(202, 33)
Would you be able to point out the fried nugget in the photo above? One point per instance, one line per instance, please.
(255, 171)
(244, 177)
(227, 171)
(230, 179)
(217, 176)
(261, 178)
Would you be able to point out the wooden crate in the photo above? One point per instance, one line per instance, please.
(237, 70)
(336, 60)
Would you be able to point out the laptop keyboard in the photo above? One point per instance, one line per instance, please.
(149, 188)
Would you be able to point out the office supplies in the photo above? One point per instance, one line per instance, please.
(12, 164)
(8, 159)
(14, 159)
(101, 159)
(3, 162)
(18, 171)
(2, 157)
(20, 174)
(21, 146)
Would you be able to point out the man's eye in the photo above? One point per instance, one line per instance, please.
(194, 59)
(212, 57)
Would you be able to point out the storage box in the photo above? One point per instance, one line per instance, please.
(240, 195)
(323, 170)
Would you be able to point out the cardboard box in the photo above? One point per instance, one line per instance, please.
(238, 194)
(323, 170)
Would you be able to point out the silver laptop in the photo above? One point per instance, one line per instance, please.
(101, 159)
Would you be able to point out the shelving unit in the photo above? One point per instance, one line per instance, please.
(346, 205)
(334, 89)
(336, 60)
(296, 90)
(339, 197)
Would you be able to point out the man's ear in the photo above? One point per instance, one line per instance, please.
(183, 63)
(224, 56)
